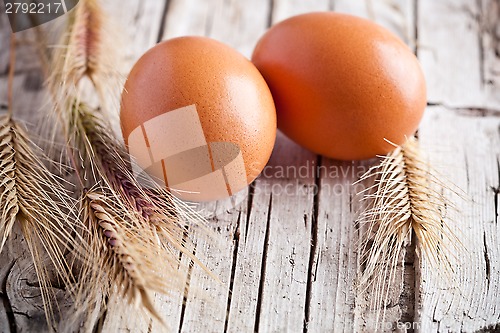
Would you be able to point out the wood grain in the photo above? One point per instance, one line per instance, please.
(287, 255)
(457, 43)
(461, 76)
(467, 154)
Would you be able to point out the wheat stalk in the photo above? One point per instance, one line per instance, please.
(103, 162)
(404, 201)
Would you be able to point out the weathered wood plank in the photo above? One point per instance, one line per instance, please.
(12, 314)
(318, 307)
(276, 259)
(334, 273)
(26, 59)
(290, 224)
(283, 9)
(4, 319)
(397, 16)
(21, 293)
(457, 45)
(489, 11)
(207, 298)
(468, 154)
(4, 42)
(237, 23)
(26, 300)
(463, 72)
(303, 246)
(250, 242)
(137, 24)
(7, 260)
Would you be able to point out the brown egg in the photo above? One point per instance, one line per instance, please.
(341, 84)
(198, 116)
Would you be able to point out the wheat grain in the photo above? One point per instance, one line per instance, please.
(121, 262)
(35, 198)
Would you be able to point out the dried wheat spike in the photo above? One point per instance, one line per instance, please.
(32, 196)
(144, 225)
(168, 216)
(404, 200)
(127, 256)
(9, 204)
(84, 51)
(153, 217)
(82, 54)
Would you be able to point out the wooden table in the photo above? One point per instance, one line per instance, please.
(288, 260)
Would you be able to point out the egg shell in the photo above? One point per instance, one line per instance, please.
(231, 97)
(342, 85)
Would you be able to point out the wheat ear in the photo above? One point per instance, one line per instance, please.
(84, 52)
(403, 201)
(140, 224)
(128, 256)
(32, 196)
(167, 215)
(35, 198)
(101, 160)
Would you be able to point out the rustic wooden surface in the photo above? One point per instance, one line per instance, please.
(289, 261)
